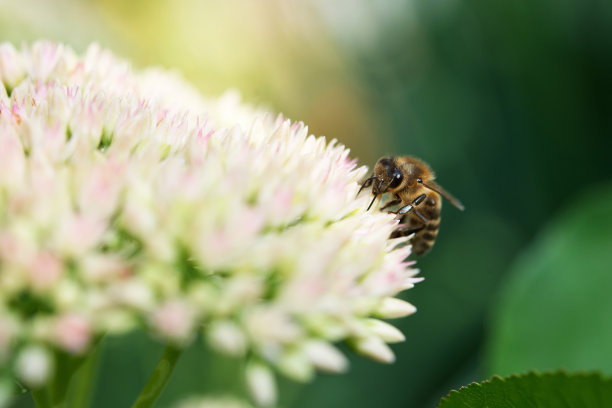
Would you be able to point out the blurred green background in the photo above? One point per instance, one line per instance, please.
(510, 103)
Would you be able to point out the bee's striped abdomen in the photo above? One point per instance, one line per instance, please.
(424, 239)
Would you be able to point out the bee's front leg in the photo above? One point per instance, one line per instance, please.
(391, 204)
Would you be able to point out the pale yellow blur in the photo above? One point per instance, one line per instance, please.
(279, 54)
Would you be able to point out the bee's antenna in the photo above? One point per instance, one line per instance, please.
(377, 189)
(371, 202)
(367, 183)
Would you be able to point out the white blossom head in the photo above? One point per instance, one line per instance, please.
(212, 402)
(128, 201)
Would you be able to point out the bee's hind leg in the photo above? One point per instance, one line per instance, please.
(421, 216)
(405, 230)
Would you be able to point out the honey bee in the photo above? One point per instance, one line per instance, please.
(412, 184)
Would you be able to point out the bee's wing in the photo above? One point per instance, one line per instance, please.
(432, 185)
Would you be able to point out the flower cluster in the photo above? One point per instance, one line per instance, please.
(129, 201)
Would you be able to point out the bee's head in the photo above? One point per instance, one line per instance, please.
(387, 176)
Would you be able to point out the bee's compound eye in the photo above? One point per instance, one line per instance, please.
(397, 179)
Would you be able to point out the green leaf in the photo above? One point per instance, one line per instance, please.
(534, 390)
(556, 310)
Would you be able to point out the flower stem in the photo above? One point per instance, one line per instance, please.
(41, 397)
(66, 366)
(83, 381)
(159, 378)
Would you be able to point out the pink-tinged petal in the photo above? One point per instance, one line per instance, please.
(12, 156)
(46, 269)
(174, 320)
(72, 332)
(77, 234)
(98, 268)
(42, 59)
(17, 247)
(100, 191)
(11, 65)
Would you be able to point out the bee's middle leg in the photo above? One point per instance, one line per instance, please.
(413, 204)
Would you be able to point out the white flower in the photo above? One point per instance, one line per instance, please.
(324, 356)
(392, 308)
(33, 365)
(212, 402)
(127, 199)
(375, 348)
(262, 386)
(227, 337)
